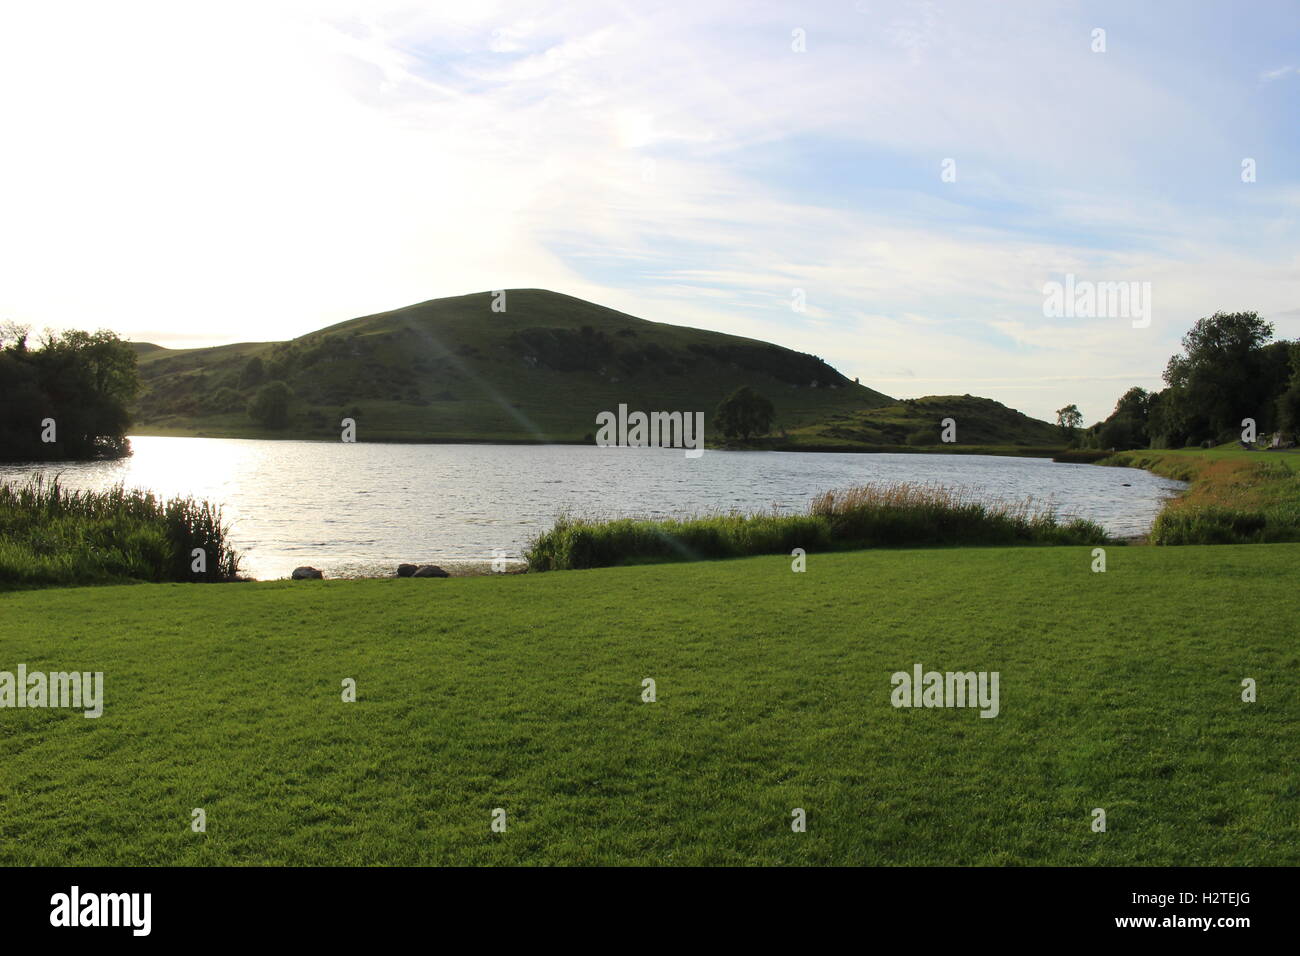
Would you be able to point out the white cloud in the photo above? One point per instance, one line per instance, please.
(257, 170)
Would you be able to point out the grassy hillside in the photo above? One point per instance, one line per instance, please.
(1119, 690)
(915, 422)
(452, 369)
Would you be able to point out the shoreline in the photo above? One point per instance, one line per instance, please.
(1233, 495)
(1214, 479)
(998, 451)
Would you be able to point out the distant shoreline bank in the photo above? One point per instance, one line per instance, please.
(1013, 451)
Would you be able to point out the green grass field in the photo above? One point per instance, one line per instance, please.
(1119, 690)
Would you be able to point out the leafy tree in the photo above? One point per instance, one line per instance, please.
(14, 336)
(1219, 378)
(1127, 426)
(84, 381)
(1288, 403)
(1169, 421)
(270, 406)
(107, 363)
(1228, 370)
(22, 407)
(1068, 419)
(253, 373)
(1288, 411)
(744, 414)
(224, 399)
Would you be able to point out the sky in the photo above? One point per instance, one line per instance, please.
(888, 184)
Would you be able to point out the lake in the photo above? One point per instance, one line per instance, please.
(361, 509)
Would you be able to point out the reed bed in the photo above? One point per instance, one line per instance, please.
(880, 515)
(51, 535)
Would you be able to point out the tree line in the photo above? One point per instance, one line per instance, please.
(1229, 369)
(67, 398)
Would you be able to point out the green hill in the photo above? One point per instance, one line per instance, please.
(452, 369)
(916, 422)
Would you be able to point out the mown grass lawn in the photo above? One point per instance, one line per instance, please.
(1119, 690)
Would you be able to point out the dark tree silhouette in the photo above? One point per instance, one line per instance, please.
(76, 388)
(744, 414)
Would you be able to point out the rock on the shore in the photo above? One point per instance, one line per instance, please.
(406, 570)
(430, 571)
(306, 574)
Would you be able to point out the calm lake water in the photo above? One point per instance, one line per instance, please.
(361, 509)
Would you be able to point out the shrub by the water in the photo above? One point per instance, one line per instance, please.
(871, 516)
(591, 543)
(1208, 524)
(913, 515)
(50, 535)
